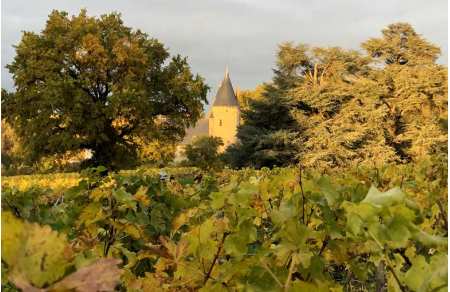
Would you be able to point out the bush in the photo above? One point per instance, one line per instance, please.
(203, 152)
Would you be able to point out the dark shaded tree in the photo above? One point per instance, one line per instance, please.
(268, 133)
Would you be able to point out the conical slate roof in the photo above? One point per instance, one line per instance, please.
(225, 95)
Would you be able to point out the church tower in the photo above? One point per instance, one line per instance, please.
(225, 113)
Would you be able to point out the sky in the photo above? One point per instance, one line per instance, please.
(240, 34)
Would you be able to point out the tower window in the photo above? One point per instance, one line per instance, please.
(220, 122)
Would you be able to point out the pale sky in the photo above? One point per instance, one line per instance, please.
(242, 34)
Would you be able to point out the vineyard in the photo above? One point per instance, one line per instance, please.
(285, 229)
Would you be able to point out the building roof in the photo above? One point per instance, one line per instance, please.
(225, 95)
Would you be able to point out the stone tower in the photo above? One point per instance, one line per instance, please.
(225, 113)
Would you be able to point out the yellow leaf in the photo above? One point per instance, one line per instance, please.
(12, 237)
(183, 218)
(133, 231)
(142, 197)
(40, 255)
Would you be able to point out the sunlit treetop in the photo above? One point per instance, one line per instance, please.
(400, 44)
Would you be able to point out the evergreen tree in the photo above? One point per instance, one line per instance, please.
(414, 92)
(244, 96)
(268, 133)
(356, 111)
(400, 45)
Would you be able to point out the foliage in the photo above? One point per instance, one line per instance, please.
(157, 152)
(93, 83)
(359, 114)
(245, 96)
(37, 256)
(267, 135)
(11, 146)
(203, 152)
(61, 182)
(13, 154)
(350, 108)
(401, 45)
(283, 229)
(373, 226)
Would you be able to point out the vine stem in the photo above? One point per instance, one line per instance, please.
(395, 276)
(271, 273)
(388, 263)
(324, 244)
(380, 277)
(216, 256)
(289, 277)
(442, 215)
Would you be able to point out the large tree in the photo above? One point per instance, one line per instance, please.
(93, 83)
(389, 106)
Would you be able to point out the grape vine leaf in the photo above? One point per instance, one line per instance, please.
(428, 239)
(330, 193)
(388, 198)
(125, 200)
(41, 255)
(236, 243)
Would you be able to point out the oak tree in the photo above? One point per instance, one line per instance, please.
(93, 83)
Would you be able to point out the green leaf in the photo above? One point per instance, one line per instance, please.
(304, 258)
(285, 212)
(236, 243)
(428, 239)
(124, 199)
(218, 199)
(354, 223)
(244, 196)
(437, 280)
(391, 197)
(399, 233)
(13, 236)
(91, 214)
(416, 275)
(259, 279)
(330, 193)
(302, 286)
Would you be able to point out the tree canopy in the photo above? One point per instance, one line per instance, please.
(334, 107)
(203, 152)
(93, 83)
(268, 133)
(357, 112)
